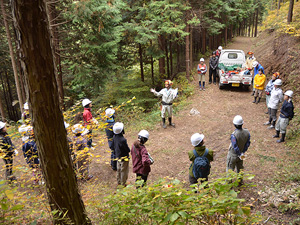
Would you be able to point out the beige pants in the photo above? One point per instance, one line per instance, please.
(282, 124)
(258, 93)
(233, 161)
(122, 172)
(201, 77)
(164, 109)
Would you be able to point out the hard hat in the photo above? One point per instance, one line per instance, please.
(278, 82)
(109, 112)
(66, 124)
(197, 138)
(78, 128)
(2, 125)
(24, 128)
(86, 102)
(118, 127)
(276, 75)
(289, 93)
(250, 53)
(214, 52)
(220, 48)
(255, 63)
(25, 106)
(144, 133)
(168, 82)
(238, 120)
(201, 60)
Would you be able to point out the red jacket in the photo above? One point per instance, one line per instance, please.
(87, 116)
(140, 160)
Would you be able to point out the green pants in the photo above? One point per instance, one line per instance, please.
(233, 161)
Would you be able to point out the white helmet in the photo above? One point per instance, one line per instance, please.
(201, 60)
(25, 106)
(144, 133)
(66, 124)
(197, 138)
(86, 102)
(278, 82)
(109, 112)
(220, 48)
(78, 128)
(118, 127)
(289, 93)
(254, 64)
(238, 120)
(2, 125)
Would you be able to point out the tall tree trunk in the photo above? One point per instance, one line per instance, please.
(162, 62)
(191, 47)
(203, 48)
(152, 66)
(3, 118)
(141, 63)
(256, 22)
(15, 116)
(11, 52)
(290, 13)
(52, 14)
(167, 58)
(253, 23)
(32, 25)
(171, 57)
(226, 35)
(8, 104)
(178, 57)
(187, 52)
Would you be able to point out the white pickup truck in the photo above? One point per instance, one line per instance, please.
(230, 70)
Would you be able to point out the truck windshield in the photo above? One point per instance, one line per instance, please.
(232, 55)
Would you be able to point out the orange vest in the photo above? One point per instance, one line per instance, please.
(202, 67)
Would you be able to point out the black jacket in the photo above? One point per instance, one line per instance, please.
(287, 110)
(120, 146)
(6, 145)
(213, 63)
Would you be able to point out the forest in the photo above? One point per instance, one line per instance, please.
(54, 54)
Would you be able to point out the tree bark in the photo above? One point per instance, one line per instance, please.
(141, 63)
(8, 104)
(33, 34)
(11, 52)
(1, 105)
(187, 52)
(191, 47)
(203, 48)
(290, 13)
(171, 57)
(256, 22)
(162, 62)
(15, 116)
(167, 58)
(152, 66)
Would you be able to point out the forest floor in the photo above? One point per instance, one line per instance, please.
(217, 109)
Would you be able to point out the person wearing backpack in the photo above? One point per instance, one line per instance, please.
(201, 158)
(240, 142)
(110, 121)
(140, 157)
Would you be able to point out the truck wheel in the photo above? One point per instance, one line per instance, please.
(246, 87)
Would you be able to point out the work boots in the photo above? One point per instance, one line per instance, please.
(170, 122)
(258, 100)
(200, 85)
(164, 123)
(203, 86)
(272, 125)
(277, 134)
(253, 93)
(269, 122)
(254, 100)
(281, 139)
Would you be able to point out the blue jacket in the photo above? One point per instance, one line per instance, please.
(287, 110)
(30, 153)
(120, 146)
(236, 147)
(269, 86)
(257, 68)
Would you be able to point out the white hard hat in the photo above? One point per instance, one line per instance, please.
(278, 82)
(78, 128)
(25, 106)
(25, 128)
(238, 120)
(2, 125)
(255, 63)
(220, 48)
(289, 93)
(201, 60)
(109, 112)
(118, 127)
(66, 124)
(197, 138)
(144, 133)
(86, 102)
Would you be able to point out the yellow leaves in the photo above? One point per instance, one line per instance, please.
(9, 194)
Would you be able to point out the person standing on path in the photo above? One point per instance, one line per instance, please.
(198, 142)
(219, 51)
(270, 87)
(256, 67)
(140, 158)
(110, 121)
(249, 61)
(275, 99)
(88, 119)
(202, 69)
(259, 84)
(240, 142)
(213, 65)
(286, 114)
(120, 146)
(7, 147)
(168, 95)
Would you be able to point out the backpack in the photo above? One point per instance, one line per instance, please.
(201, 168)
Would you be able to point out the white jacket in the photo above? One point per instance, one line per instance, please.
(276, 98)
(167, 95)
